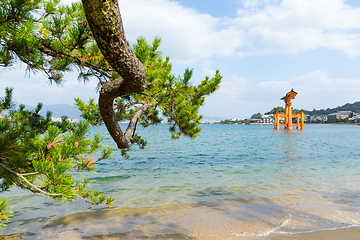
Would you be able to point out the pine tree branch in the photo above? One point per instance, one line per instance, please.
(48, 50)
(105, 22)
(29, 174)
(109, 91)
(86, 200)
(106, 25)
(134, 119)
(129, 104)
(29, 183)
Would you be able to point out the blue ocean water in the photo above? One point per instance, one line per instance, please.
(233, 181)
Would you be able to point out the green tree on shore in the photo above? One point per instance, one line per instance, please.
(276, 109)
(135, 83)
(256, 116)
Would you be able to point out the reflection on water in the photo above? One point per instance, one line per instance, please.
(232, 181)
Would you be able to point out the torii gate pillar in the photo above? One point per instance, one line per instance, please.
(288, 116)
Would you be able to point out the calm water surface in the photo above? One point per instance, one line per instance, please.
(233, 181)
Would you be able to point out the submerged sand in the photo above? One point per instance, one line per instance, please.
(188, 222)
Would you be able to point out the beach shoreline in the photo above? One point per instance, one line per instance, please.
(336, 234)
(351, 233)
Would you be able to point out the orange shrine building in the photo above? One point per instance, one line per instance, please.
(288, 116)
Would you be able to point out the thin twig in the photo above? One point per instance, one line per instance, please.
(86, 200)
(28, 174)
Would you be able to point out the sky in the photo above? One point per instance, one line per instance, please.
(263, 49)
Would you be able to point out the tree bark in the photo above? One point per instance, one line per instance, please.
(106, 25)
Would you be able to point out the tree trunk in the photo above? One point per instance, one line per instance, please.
(106, 25)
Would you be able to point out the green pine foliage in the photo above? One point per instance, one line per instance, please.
(174, 97)
(44, 157)
(166, 95)
(5, 213)
(51, 38)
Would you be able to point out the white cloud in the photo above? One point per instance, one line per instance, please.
(267, 27)
(299, 25)
(187, 35)
(257, 3)
(290, 14)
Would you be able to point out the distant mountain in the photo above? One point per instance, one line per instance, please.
(59, 110)
(354, 107)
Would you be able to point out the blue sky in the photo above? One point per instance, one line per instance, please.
(263, 48)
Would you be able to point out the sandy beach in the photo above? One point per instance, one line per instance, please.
(338, 234)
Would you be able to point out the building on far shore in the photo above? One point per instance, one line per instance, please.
(339, 115)
(355, 118)
(75, 120)
(316, 118)
(265, 119)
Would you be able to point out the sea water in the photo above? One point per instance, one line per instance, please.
(232, 182)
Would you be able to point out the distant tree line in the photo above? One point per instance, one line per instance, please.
(234, 121)
(353, 107)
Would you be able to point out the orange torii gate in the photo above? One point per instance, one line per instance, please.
(288, 116)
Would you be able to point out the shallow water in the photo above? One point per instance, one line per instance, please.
(233, 181)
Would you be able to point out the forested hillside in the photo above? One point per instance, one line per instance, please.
(354, 107)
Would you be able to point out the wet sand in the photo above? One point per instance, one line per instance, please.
(352, 233)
